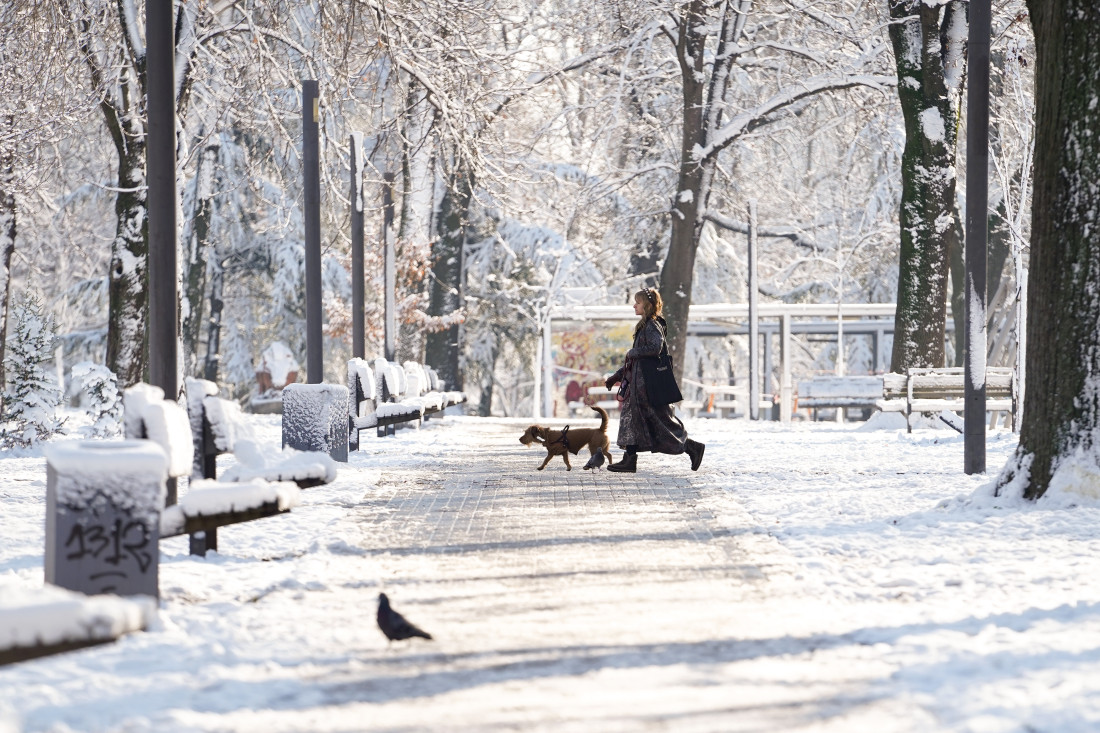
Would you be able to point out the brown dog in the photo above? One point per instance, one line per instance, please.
(571, 440)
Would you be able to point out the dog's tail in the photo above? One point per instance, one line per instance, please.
(603, 417)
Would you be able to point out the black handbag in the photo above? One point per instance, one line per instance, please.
(660, 381)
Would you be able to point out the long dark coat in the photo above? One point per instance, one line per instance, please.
(642, 425)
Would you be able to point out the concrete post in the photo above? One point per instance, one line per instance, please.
(103, 503)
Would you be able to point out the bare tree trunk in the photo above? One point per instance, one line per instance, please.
(928, 54)
(485, 404)
(197, 248)
(998, 247)
(677, 275)
(442, 348)
(417, 201)
(127, 345)
(214, 325)
(999, 238)
(1062, 412)
(7, 249)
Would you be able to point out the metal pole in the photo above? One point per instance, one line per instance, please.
(547, 367)
(754, 321)
(389, 270)
(161, 151)
(160, 77)
(536, 391)
(977, 194)
(311, 172)
(358, 347)
(1021, 347)
(785, 396)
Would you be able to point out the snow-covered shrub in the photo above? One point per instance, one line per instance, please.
(31, 398)
(102, 399)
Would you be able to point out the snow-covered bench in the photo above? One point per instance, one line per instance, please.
(604, 397)
(451, 398)
(218, 427)
(936, 390)
(387, 394)
(916, 391)
(856, 392)
(36, 622)
(207, 504)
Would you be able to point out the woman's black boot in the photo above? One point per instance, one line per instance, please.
(628, 464)
(694, 449)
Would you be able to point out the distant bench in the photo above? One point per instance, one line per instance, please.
(387, 394)
(723, 400)
(917, 391)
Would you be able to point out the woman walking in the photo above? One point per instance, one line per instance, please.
(645, 426)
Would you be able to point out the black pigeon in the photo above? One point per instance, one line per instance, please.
(394, 625)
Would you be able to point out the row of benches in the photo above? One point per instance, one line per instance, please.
(384, 395)
(50, 620)
(263, 483)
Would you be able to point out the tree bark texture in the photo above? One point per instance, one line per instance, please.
(998, 248)
(7, 249)
(214, 323)
(485, 403)
(442, 348)
(128, 300)
(928, 52)
(197, 249)
(1062, 410)
(677, 274)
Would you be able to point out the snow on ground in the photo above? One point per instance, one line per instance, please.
(830, 577)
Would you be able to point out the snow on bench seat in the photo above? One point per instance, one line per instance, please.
(210, 504)
(224, 430)
(404, 407)
(304, 468)
(35, 622)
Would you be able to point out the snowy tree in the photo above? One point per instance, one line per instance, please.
(715, 46)
(473, 65)
(31, 397)
(41, 110)
(112, 47)
(7, 242)
(929, 40)
(1060, 435)
(102, 399)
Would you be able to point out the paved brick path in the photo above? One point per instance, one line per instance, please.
(546, 583)
(497, 505)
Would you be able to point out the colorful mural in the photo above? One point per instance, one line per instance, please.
(583, 355)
